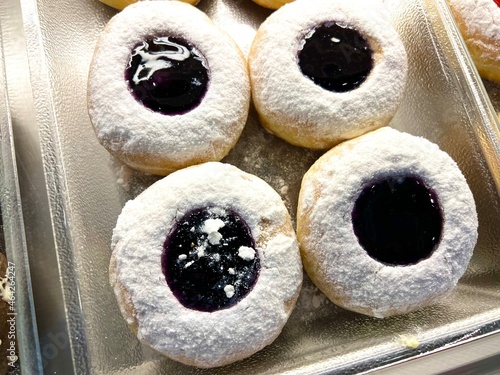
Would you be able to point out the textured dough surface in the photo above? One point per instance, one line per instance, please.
(331, 253)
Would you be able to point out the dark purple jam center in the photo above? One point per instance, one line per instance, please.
(398, 220)
(167, 75)
(336, 57)
(209, 259)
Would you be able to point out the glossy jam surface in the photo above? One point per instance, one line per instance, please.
(398, 220)
(167, 75)
(209, 259)
(336, 57)
(497, 2)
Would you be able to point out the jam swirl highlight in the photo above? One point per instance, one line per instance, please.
(167, 75)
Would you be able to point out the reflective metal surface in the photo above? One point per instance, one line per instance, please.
(16, 248)
(72, 192)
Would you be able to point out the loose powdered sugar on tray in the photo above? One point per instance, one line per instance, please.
(258, 152)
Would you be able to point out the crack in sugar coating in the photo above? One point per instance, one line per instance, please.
(209, 260)
(336, 57)
(167, 75)
(398, 220)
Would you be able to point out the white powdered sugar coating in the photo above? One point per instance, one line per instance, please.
(479, 23)
(211, 227)
(292, 106)
(150, 141)
(481, 16)
(229, 290)
(332, 255)
(205, 339)
(246, 253)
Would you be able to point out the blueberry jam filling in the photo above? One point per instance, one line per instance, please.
(398, 220)
(167, 75)
(209, 259)
(336, 57)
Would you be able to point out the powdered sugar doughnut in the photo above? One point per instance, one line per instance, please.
(120, 4)
(164, 94)
(323, 71)
(205, 265)
(386, 223)
(272, 4)
(479, 23)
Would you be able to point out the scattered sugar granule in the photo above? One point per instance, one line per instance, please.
(284, 190)
(246, 253)
(211, 227)
(409, 341)
(229, 290)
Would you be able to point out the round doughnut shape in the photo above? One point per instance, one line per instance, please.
(360, 192)
(293, 105)
(120, 4)
(479, 24)
(272, 4)
(136, 123)
(205, 265)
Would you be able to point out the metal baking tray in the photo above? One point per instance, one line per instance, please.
(13, 240)
(493, 90)
(72, 192)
